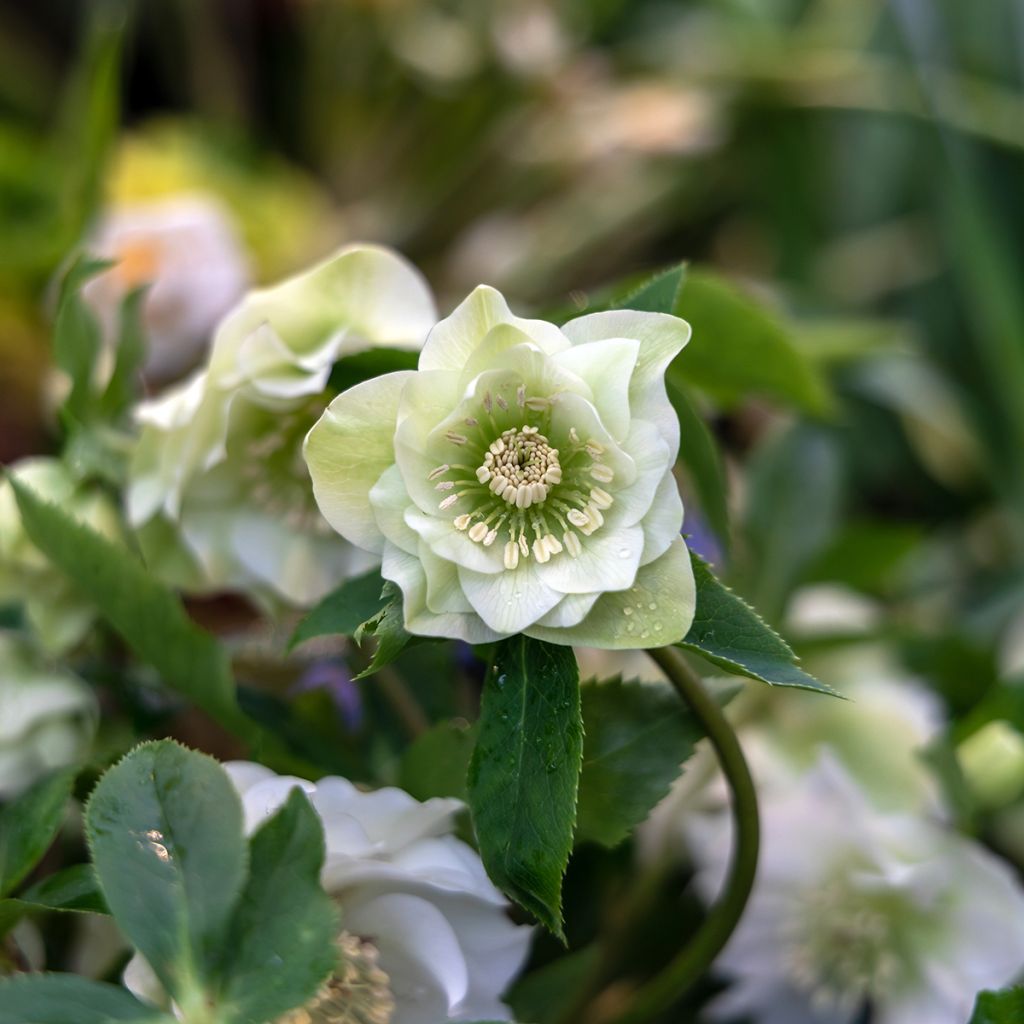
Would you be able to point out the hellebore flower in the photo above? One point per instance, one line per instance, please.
(854, 907)
(424, 927)
(47, 717)
(520, 481)
(218, 491)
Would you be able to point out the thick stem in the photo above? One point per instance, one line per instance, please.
(697, 956)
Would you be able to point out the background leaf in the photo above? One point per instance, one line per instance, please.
(1005, 1007)
(29, 824)
(729, 633)
(637, 736)
(148, 616)
(524, 773)
(165, 828)
(280, 944)
(69, 999)
(437, 762)
(343, 610)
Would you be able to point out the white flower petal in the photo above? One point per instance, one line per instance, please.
(509, 602)
(609, 561)
(607, 367)
(348, 450)
(451, 343)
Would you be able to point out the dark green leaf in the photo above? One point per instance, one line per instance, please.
(374, 362)
(546, 994)
(658, 294)
(700, 455)
(28, 825)
(738, 349)
(77, 338)
(165, 828)
(68, 999)
(343, 610)
(131, 353)
(524, 773)
(74, 888)
(280, 944)
(729, 633)
(637, 737)
(1005, 1007)
(437, 763)
(148, 616)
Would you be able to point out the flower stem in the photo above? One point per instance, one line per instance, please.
(697, 956)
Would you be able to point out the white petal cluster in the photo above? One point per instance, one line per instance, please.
(520, 481)
(408, 889)
(218, 490)
(854, 907)
(186, 250)
(60, 617)
(47, 717)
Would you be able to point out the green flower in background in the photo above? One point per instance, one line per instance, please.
(60, 616)
(47, 717)
(521, 480)
(218, 491)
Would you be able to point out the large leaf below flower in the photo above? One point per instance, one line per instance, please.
(637, 737)
(1005, 1007)
(524, 774)
(729, 633)
(68, 999)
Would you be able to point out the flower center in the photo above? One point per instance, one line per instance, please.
(357, 993)
(519, 484)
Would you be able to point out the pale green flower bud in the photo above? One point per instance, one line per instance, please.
(521, 480)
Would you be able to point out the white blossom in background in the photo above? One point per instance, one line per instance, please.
(47, 717)
(187, 249)
(856, 906)
(424, 928)
(520, 481)
(59, 615)
(218, 491)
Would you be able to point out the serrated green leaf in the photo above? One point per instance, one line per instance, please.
(1005, 1007)
(69, 999)
(343, 610)
(437, 763)
(738, 349)
(658, 294)
(700, 455)
(637, 736)
(165, 829)
(387, 627)
(524, 773)
(280, 944)
(729, 633)
(147, 615)
(28, 826)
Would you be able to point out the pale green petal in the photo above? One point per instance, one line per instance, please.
(367, 294)
(660, 609)
(347, 451)
(407, 572)
(609, 561)
(652, 460)
(444, 590)
(662, 338)
(443, 539)
(570, 611)
(451, 343)
(390, 500)
(508, 602)
(663, 521)
(607, 367)
(573, 412)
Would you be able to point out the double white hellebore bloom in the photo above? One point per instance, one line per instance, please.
(426, 938)
(218, 491)
(520, 481)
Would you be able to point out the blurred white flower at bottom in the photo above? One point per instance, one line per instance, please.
(426, 938)
(854, 907)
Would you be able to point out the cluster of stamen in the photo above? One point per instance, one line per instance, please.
(357, 993)
(523, 486)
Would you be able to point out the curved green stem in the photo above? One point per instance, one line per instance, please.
(694, 960)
